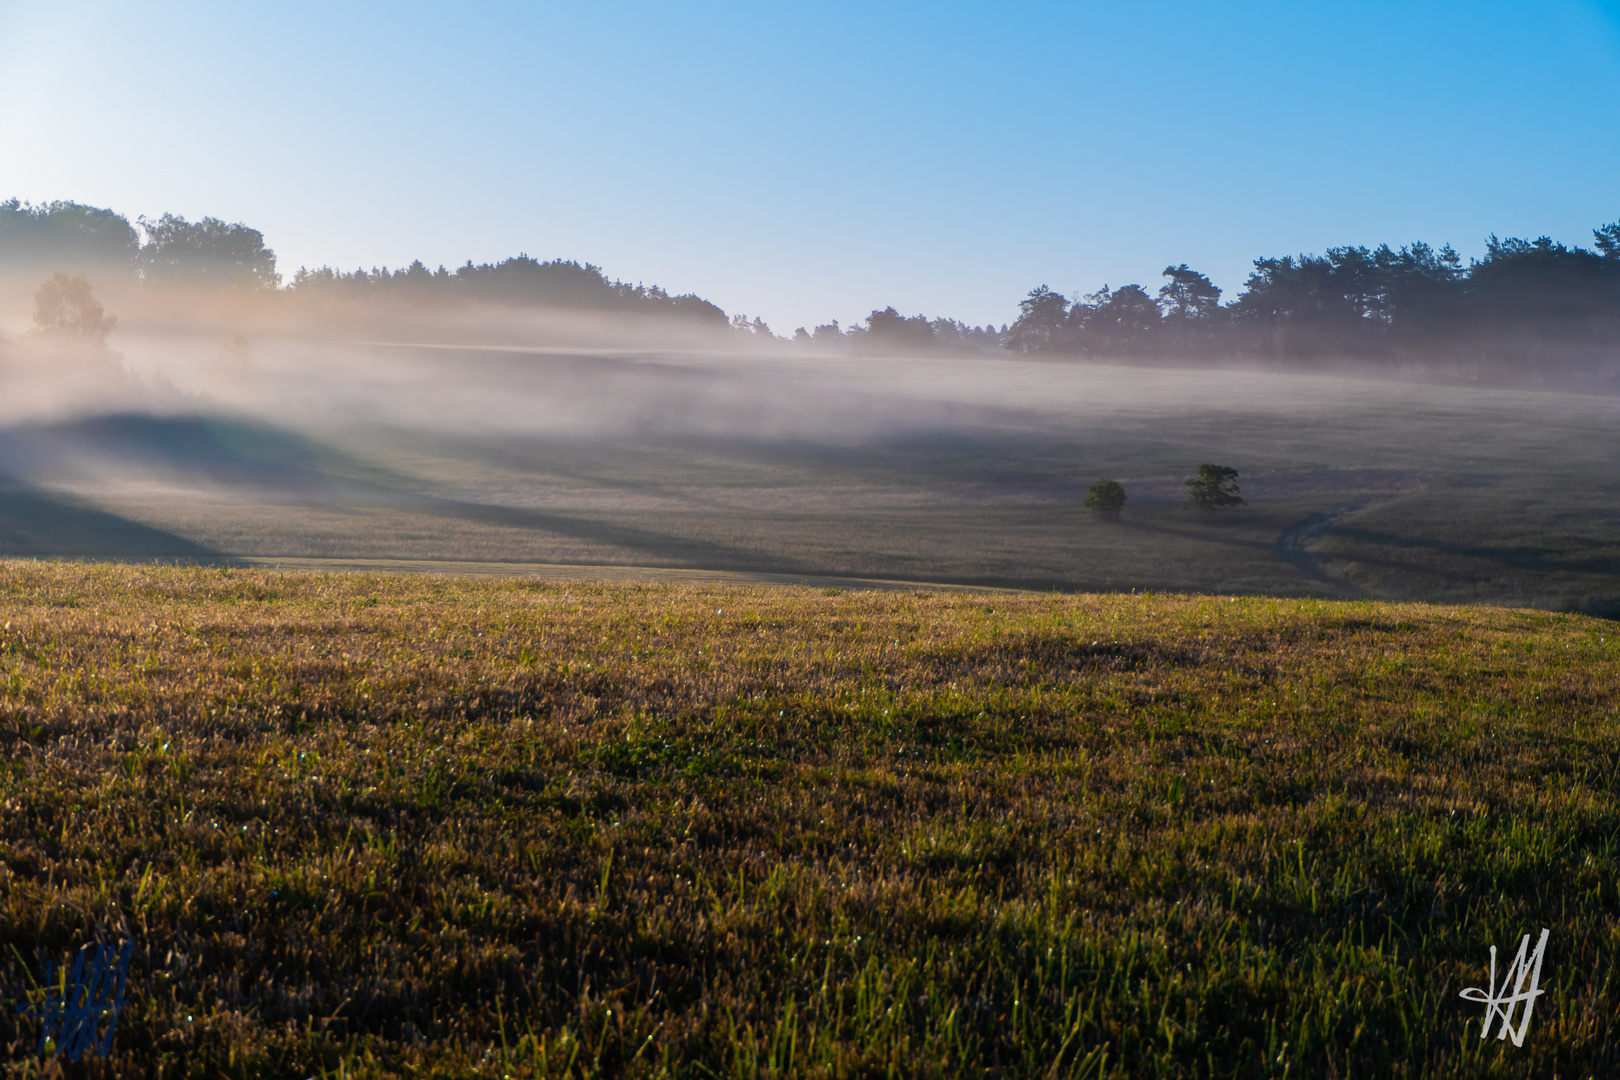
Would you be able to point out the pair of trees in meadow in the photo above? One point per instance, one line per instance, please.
(1214, 487)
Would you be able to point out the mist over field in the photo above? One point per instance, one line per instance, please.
(180, 403)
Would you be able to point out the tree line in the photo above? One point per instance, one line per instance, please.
(888, 331)
(1527, 306)
(516, 282)
(76, 240)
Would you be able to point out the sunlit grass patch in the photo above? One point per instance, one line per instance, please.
(391, 825)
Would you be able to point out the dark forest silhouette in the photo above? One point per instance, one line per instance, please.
(65, 237)
(1529, 310)
(516, 282)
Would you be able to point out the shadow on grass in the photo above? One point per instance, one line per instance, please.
(1207, 530)
(1523, 557)
(662, 549)
(41, 525)
(1531, 567)
(665, 547)
(221, 450)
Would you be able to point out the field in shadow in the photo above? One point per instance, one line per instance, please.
(43, 525)
(967, 472)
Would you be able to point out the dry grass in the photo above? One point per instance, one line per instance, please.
(378, 825)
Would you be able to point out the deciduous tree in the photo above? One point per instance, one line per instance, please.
(1215, 486)
(67, 314)
(1105, 498)
(888, 329)
(71, 328)
(206, 253)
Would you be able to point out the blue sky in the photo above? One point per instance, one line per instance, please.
(809, 162)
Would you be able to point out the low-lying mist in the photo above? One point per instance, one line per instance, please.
(252, 428)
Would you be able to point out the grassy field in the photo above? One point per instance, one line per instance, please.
(928, 470)
(369, 825)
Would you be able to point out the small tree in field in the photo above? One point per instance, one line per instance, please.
(1105, 497)
(1214, 486)
(66, 313)
(71, 328)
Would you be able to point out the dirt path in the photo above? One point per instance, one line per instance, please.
(1291, 545)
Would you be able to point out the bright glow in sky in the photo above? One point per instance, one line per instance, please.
(809, 162)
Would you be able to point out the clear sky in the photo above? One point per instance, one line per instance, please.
(813, 161)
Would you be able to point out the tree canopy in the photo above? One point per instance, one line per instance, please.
(1042, 324)
(71, 326)
(1214, 487)
(64, 237)
(889, 329)
(1105, 497)
(66, 312)
(207, 253)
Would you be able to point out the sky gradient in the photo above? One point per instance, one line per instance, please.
(806, 163)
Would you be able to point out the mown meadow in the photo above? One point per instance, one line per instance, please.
(372, 825)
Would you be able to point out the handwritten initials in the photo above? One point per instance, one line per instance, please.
(1499, 1002)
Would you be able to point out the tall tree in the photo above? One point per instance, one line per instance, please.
(1042, 319)
(71, 327)
(65, 237)
(1105, 498)
(1422, 298)
(1191, 307)
(1308, 307)
(1607, 241)
(1529, 303)
(66, 313)
(207, 253)
(829, 334)
(1215, 486)
(888, 329)
(1121, 322)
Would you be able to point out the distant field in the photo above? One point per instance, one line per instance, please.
(967, 471)
(372, 825)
